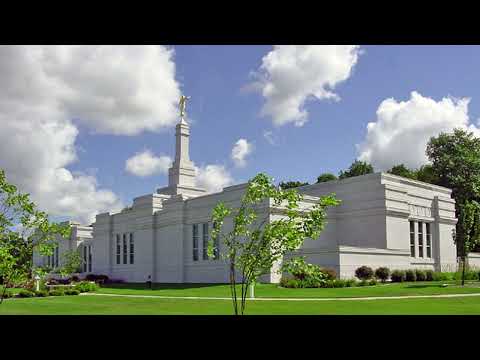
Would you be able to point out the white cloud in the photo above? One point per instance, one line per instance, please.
(240, 151)
(145, 163)
(402, 129)
(213, 178)
(292, 74)
(111, 89)
(120, 90)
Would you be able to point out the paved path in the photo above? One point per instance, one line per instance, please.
(288, 299)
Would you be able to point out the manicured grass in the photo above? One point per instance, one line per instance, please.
(99, 305)
(272, 290)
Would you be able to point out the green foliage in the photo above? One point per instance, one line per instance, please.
(41, 293)
(331, 274)
(382, 273)
(85, 286)
(363, 283)
(23, 229)
(291, 184)
(72, 292)
(455, 161)
(326, 177)
(410, 275)
(443, 276)
(372, 282)
(301, 270)
(402, 170)
(71, 262)
(420, 275)
(426, 174)
(56, 292)
(398, 276)
(356, 169)
(255, 243)
(25, 293)
(364, 272)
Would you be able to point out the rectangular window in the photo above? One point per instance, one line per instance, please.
(420, 239)
(205, 241)
(195, 241)
(56, 257)
(216, 247)
(125, 249)
(89, 258)
(412, 238)
(132, 249)
(429, 240)
(85, 260)
(118, 249)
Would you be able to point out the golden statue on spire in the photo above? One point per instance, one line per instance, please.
(183, 104)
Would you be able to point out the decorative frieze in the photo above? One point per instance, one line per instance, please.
(417, 210)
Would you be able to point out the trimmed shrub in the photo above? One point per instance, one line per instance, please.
(72, 292)
(469, 275)
(86, 286)
(74, 278)
(364, 273)
(41, 293)
(56, 292)
(420, 275)
(429, 275)
(410, 275)
(25, 294)
(97, 278)
(478, 275)
(350, 282)
(372, 282)
(442, 276)
(382, 273)
(398, 276)
(331, 274)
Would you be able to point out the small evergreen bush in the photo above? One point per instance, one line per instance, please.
(86, 286)
(372, 282)
(364, 273)
(72, 292)
(398, 276)
(410, 275)
(25, 293)
(362, 283)
(382, 273)
(56, 292)
(420, 275)
(41, 293)
(442, 276)
(350, 282)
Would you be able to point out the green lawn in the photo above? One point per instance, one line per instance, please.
(91, 304)
(98, 305)
(272, 290)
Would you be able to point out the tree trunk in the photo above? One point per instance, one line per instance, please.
(233, 286)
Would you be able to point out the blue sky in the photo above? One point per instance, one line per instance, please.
(214, 77)
(222, 111)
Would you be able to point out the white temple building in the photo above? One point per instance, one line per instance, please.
(383, 220)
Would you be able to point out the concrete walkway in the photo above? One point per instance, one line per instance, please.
(289, 299)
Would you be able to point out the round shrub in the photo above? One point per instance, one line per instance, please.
(25, 294)
(420, 275)
(372, 282)
(86, 286)
(72, 292)
(74, 278)
(410, 275)
(331, 274)
(382, 273)
(41, 293)
(56, 292)
(398, 276)
(364, 273)
(429, 275)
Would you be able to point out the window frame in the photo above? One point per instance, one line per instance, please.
(421, 254)
(412, 238)
(132, 249)
(119, 250)
(428, 239)
(125, 249)
(205, 241)
(195, 239)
